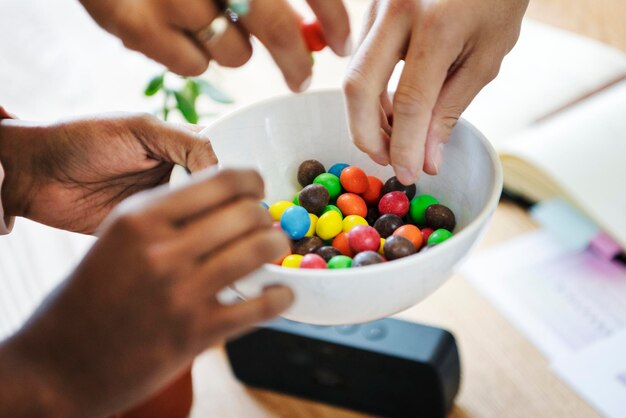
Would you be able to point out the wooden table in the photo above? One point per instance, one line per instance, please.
(503, 374)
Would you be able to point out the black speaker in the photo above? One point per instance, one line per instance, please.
(387, 368)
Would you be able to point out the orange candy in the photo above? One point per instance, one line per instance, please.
(341, 243)
(354, 180)
(412, 233)
(372, 194)
(352, 204)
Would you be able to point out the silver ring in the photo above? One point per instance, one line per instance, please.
(215, 29)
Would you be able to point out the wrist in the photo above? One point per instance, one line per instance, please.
(17, 149)
(27, 390)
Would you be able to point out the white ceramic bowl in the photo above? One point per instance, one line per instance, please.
(274, 136)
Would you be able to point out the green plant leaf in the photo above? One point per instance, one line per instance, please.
(155, 84)
(186, 107)
(213, 92)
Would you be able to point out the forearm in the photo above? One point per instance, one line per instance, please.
(25, 390)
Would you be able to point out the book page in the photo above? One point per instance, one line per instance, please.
(583, 151)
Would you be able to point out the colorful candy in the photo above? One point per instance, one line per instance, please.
(439, 216)
(412, 233)
(331, 182)
(295, 221)
(344, 218)
(336, 169)
(276, 209)
(313, 261)
(351, 221)
(394, 202)
(314, 198)
(438, 236)
(419, 204)
(374, 190)
(364, 238)
(367, 258)
(394, 185)
(386, 224)
(308, 170)
(340, 262)
(352, 204)
(311, 31)
(398, 247)
(329, 225)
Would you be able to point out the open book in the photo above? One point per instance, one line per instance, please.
(559, 123)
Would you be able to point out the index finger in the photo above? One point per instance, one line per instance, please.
(333, 17)
(206, 191)
(426, 68)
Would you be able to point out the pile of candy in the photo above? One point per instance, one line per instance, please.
(345, 218)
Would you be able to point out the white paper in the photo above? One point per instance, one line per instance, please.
(563, 300)
(598, 374)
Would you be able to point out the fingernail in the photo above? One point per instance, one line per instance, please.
(347, 47)
(381, 160)
(305, 84)
(405, 175)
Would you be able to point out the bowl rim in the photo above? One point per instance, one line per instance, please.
(474, 225)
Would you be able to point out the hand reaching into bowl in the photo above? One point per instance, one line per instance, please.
(70, 174)
(185, 35)
(451, 49)
(142, 303)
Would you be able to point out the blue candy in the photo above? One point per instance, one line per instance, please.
(336, 169)
(295, 222)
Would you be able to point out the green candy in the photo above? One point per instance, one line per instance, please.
(439, 236)
(295, 199)
(418, 207)
(332, 207)
(330, 182)
(239, 7)
(340, 262)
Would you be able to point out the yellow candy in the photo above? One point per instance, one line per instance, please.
(311, 230)
(292, 261)
(351, 221)
(277, 209)
(380, 249)
(329, 225)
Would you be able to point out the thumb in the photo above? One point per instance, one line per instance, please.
(455, 96)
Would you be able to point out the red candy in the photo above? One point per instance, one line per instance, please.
(396, 203)
(412, 233)
(341, 243)
(372, 194)
(426, 233)
(354, 180)
(311, 31)
(313, 261)
(352, 204)
(364, 238)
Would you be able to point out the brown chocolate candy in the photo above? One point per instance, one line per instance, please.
(327, 252)
(397, 246)
(372, 215)
(367, 258)
(440, 216)
(306, 245)
(386, 224)
(314, 198)
(308, 170)
(394, 185)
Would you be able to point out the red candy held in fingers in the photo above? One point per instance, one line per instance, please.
(354, 180)
(313, 36)
(364, 238)
(394, 202)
